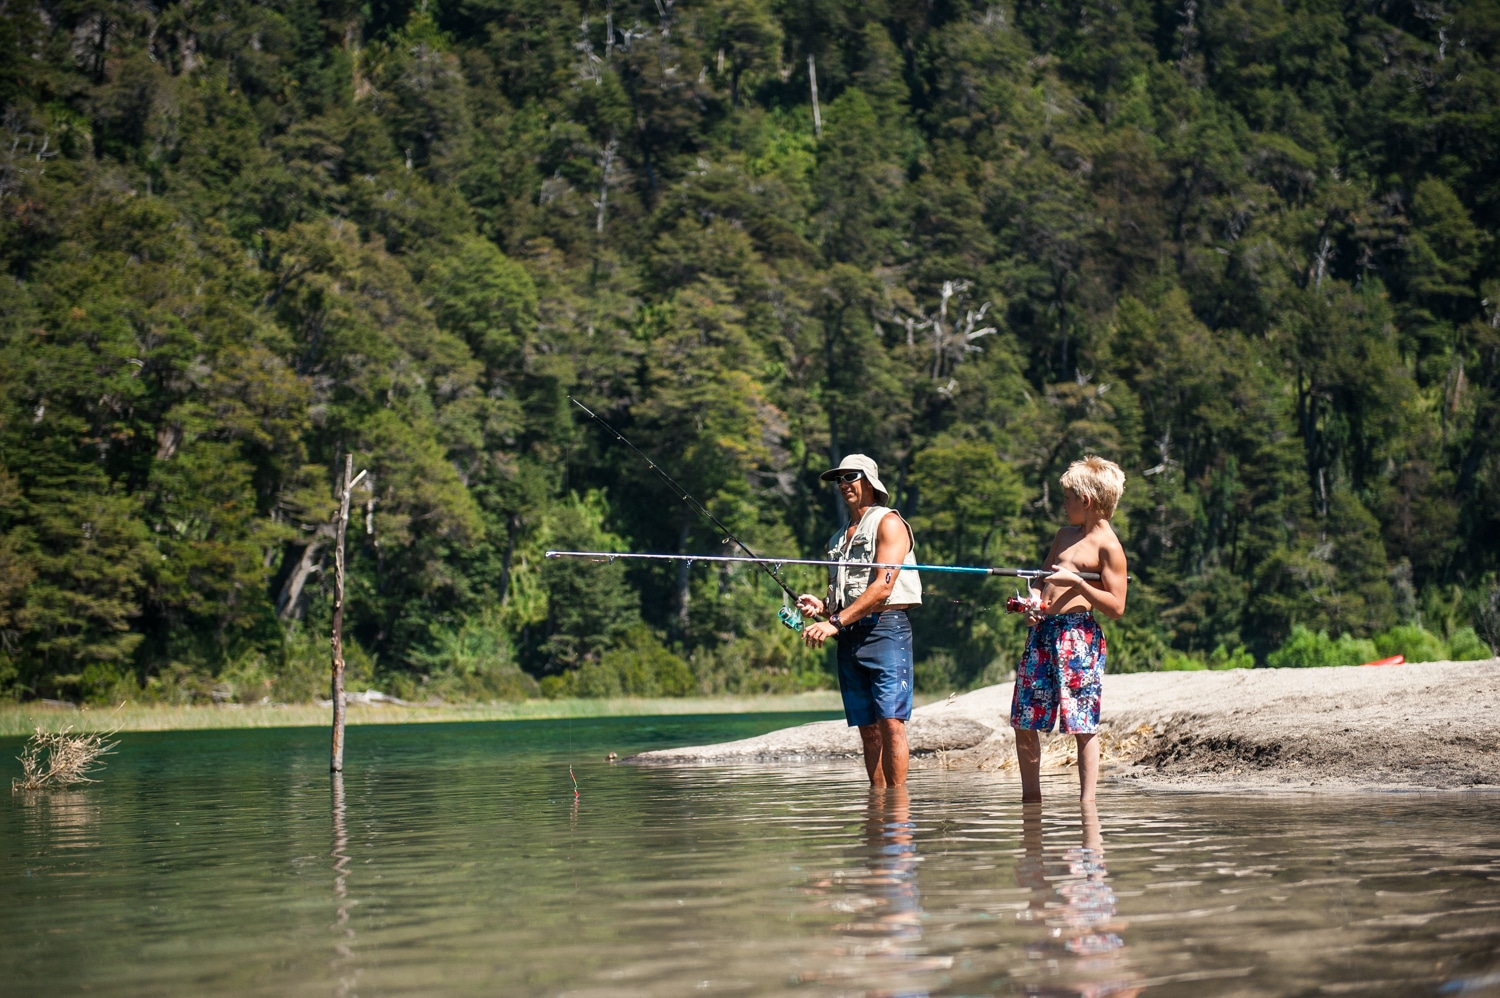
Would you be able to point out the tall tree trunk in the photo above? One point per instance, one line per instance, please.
(291, 590)
(512, 526)
(812, 80)
(684, 590)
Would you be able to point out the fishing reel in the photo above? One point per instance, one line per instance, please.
(1030, 603)
(790, 616)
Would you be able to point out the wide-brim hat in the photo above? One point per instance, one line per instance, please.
(865, 465)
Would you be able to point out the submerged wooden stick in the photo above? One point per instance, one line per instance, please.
(350, 480)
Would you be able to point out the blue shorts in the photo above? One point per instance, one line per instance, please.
(875, 668)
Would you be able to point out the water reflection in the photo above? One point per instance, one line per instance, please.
(343, 948)
(881, 945)
(69, 818)
(1080, 952)
(207, 863)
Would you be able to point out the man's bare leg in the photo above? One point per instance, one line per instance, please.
(895, 755)
(1088, 766)
(1029, 759)
(869, 737)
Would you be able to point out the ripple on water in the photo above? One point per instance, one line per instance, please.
(455, 860)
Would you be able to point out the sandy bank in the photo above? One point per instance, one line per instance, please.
(1430, 726)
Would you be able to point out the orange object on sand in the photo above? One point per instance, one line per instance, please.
(1393, 660)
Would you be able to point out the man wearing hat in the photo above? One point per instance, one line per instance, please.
(868, 617)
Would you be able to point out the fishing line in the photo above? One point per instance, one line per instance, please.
(790, 617)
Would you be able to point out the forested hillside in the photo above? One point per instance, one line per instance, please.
(1245, 248)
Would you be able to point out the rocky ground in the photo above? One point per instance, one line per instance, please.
(1432, 726)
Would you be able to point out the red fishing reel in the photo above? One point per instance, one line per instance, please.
(1031, 603)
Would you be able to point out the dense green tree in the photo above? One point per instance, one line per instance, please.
(1247, 249)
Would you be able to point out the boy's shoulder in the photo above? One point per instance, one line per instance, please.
(1108, 547)
(1068, 531)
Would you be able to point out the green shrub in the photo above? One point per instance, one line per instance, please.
(10, 688)
(640, 666)
(107, 683)
(473, 662)
(178, 683)
(937, 673)
(1219, 658)
(1467, 646)
(1413, 641)
(1305, 650)
(306, 669)
(1223, 658)
(773, 661)
(1132, 648)
(1176, 661)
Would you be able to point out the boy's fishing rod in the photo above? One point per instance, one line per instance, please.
(692, 504)
(1012, 573)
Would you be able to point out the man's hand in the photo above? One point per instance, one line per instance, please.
(810, 605)
(813, 635)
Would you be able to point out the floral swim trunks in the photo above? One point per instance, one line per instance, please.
(1060, 673)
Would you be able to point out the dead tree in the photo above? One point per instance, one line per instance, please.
(812, 81)
(350, 480)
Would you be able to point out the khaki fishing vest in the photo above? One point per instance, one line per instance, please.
(846, 584)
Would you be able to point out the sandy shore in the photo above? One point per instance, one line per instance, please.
(1432, 726)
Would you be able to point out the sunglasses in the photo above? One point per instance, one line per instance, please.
(850, 477)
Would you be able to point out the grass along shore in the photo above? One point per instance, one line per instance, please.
(22, 719)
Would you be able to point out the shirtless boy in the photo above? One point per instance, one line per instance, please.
(1058, 680)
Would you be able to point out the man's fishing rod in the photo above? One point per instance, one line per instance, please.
(698, 508)
(1012, 573)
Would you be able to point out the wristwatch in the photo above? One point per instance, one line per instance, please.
(838, 625)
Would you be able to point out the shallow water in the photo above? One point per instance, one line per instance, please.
(454, 859)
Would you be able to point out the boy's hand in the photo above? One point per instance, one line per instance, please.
(1063, 576)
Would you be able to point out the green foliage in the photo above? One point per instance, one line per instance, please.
(473, 662)
(640, 666)
(589, 606)
(1467, 646)
(970, 501)
(1220, 658)
(771, 660)
(1306, 649)
(1412, 641)
(1246, 258)
(1174, 662)
(937, 673)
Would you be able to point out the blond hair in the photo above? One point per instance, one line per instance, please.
(1099, 481)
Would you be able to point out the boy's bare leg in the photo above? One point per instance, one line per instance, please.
(1029, 759)
(1088, 813)
(869, 737)
(894, 754)
(1088, 766)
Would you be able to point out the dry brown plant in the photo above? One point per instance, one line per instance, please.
(1060, 751)
(53, 759)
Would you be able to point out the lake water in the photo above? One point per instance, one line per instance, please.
(455, 860)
